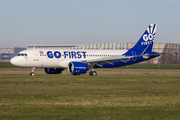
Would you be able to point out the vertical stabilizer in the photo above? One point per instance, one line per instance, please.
(145, 43)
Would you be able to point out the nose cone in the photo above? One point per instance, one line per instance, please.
(15, 61)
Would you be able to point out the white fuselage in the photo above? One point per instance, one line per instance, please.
(60, 58)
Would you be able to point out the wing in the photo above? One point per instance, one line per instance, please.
(109, 60)
(150, 54)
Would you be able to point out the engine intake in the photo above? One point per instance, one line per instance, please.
(53, 70)
(77, 68)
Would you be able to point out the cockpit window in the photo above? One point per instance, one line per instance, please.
(22, 54)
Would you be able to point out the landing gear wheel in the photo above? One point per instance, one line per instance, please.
(32, 74)
(92, 73)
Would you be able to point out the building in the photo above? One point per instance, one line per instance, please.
(172, 49)
(7, 53)
(51, 46)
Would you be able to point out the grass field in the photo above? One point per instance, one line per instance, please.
(134, 66)
(112, 95)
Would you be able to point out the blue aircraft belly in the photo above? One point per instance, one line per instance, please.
(119, 63)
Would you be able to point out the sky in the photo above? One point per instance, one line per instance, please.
(25, 22)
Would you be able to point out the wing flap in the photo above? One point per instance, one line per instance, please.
(109, 60)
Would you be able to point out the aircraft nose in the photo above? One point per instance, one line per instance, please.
(14, 61)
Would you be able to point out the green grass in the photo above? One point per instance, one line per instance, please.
(134, 66)
(7, 65)
(104, 97)
(151, 66)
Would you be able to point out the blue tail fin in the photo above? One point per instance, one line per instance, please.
(145, 43)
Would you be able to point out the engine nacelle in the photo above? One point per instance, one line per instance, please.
(53, 70)
(77, 68)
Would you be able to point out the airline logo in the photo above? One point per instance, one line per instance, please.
(66, 54)
(149, 35)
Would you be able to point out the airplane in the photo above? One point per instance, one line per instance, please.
(79, 61)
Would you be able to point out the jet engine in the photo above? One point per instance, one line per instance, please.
(77, 68)
(53, 70)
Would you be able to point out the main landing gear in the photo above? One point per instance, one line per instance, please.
(92, 73)
(32, 72)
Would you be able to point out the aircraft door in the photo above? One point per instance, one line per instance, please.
(35, 56)
(134, 54)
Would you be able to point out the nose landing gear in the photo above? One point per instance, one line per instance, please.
(32, 72)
